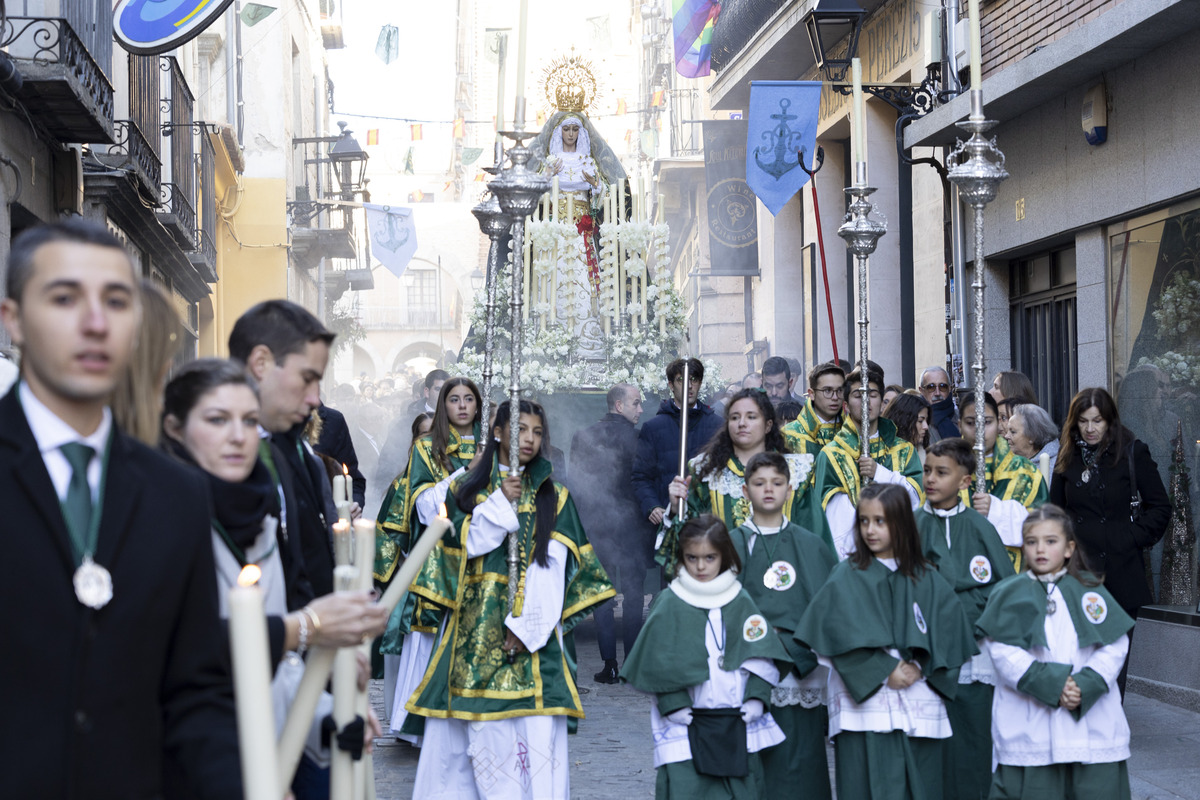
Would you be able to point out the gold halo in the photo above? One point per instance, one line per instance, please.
(570, 84)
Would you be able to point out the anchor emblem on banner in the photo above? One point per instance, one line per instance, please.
(782, 142)
(394, 236)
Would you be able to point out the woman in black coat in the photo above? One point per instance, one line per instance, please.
(1092, 483)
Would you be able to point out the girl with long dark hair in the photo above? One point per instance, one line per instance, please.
(499, 685)
(414, 500)
(894, 636)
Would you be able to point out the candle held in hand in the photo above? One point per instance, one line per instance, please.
(252, 688)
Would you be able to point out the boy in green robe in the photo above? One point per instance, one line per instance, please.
(841, 469)
(821, 416)
(1015, 486)
(783, 566)
(965, 548)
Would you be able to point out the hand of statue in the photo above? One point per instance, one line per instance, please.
(592, 180)
(981, 502)
(511, 488)
(866, 467)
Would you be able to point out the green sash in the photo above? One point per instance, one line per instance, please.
(807, 433)
(1015, 479)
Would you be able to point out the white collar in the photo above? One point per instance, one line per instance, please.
(890, 563)
(51, 432)
(1051, 577)
(708, 595)
(504, 470)
(946, 512)
(766, 529)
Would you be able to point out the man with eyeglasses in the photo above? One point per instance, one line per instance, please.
(841, 469)
(821, 417)
(937, 390)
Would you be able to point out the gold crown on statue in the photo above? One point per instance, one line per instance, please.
(570, 83)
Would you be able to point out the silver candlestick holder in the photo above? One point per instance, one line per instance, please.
(495, 224)
(861, 233)
(517, 190)
(976, 167)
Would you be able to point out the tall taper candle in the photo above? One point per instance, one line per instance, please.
(858, 142)
(342, 552)
(345, 695)
(976, 44)
(415, 560)
(522, 46)
(252, 688)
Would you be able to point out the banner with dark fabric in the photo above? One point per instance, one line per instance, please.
(732, 206)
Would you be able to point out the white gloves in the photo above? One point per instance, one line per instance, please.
(752, 710)
(684, 716)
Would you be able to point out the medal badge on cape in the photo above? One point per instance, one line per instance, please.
(93, 584)
(981, 569)
(780, 576)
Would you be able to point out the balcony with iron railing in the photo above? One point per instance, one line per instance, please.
(204, 257)
(64, 53)
(177, 194)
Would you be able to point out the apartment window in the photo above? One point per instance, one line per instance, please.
(1042, 314)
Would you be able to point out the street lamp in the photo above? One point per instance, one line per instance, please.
(828, 23)
(477, 278)
(349, 162)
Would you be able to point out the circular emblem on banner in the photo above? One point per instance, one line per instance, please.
(754, 628)
(731, 213)
(1094, 607)
(981, 569)
(920, 618)
(780, 576)
(150, 27)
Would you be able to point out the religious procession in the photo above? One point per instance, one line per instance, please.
(553, 444)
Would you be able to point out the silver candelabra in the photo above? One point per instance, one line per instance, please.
(976, 167)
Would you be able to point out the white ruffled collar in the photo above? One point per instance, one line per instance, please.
(708, 595)
(945, 512)
(1049, 577)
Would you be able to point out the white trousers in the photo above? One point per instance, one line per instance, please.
(524, 758)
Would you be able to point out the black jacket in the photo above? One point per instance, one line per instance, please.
(132, 700)
(657, 459)
(601, 461)
(1100, 510)
(335, 442)
(310, 511)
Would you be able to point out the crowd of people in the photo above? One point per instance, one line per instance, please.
(952, 643)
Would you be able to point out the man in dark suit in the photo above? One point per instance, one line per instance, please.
(286, 349)
(114, 683)
(601, 459)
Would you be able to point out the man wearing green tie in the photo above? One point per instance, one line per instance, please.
(113, 648)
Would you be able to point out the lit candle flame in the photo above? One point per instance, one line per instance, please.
(249, 575)
(345, 470)
(442, 509)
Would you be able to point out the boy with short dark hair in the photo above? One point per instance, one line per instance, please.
(783, 566)
(966, 549)
(821, 417)
(841, 468)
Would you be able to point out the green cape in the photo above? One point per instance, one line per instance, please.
(1016, 613)
(811, 559)
(807, 433)
(875, 608)
(961, 566)
(670, 654)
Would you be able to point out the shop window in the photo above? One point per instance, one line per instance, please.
(1042, 314)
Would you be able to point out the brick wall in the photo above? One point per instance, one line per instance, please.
(1012, 29)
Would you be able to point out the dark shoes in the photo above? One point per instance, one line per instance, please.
(609, 674)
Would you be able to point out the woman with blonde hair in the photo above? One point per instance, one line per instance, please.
(137, 401)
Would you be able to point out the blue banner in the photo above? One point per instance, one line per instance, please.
(782, 125)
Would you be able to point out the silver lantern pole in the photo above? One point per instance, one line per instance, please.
(976, 167)
(862, 233)
(517, 190)
(496, 225)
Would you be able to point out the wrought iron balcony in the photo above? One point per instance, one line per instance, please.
(204, 257)
(177, 195)
(177, 214)
(65, 90)
(132, 151)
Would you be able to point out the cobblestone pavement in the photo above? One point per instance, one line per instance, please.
(612, 759)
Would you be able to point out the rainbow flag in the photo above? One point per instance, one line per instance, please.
(692, 26)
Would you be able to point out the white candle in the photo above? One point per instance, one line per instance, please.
(341, 494)
(339, 488)
(407, 572)
(527, 271)
(252, 688)
(345, 697)
(317, 668)
(554, 198)
(1044, 466)
(976, 45)
(570, 208)
(364, 552)
(522, 37)
(341, 543)
(858, 141)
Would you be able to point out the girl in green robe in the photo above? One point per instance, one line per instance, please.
(716, 476)
(500, 685)
(784, 565)
(895, 635)
(708, 655)
(414, 500)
